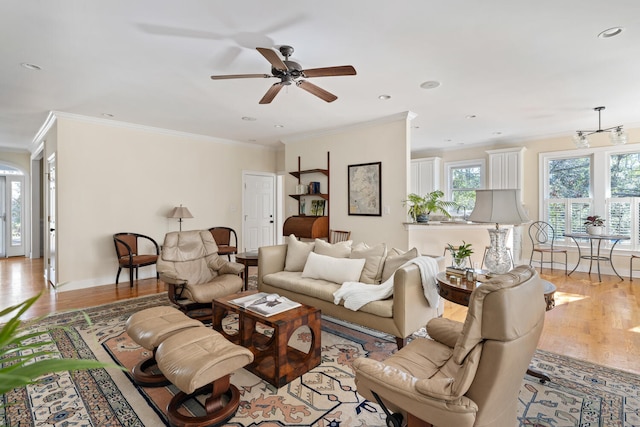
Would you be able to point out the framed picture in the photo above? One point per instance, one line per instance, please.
(365, 189)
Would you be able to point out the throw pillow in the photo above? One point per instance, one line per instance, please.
(297, 253)
(337, 270)
(374, 256)
(395, 259)
(336, 250)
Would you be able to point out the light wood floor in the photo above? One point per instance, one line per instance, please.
(597, 322)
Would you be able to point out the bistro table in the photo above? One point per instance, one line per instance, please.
(595, 255)
(248, 259)
(460, 292)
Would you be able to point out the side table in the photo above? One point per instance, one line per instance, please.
(460, 294)
(248, 259)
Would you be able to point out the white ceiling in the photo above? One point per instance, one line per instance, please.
(524, 69)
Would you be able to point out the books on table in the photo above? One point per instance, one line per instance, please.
(265, 304)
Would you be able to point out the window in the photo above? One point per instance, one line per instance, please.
(463, 179)
(600, 181)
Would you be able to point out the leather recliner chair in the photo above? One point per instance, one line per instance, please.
(466, 374)
(196, 275)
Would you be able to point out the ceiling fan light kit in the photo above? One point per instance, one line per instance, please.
(616, 134)
(290, 72)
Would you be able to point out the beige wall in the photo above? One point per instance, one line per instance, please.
(20, 160)
(385, 141)
(114, 178)
(531, 187)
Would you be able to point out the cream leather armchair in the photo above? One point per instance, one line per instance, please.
(466, 374)
(189, 263)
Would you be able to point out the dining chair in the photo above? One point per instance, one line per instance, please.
(128, 250)
(226, 239)
(543, 237)
(336, 236)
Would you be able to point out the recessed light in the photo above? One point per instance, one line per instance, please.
(278, 126)
(415, 127)
(108, 115)
(384, 97)
(29, 66)
(610, 32)
(471, 116)
(497, 133)
(431, 84)
(251, 140)
(249, 119)
(447, 140)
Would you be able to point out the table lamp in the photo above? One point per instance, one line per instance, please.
(180, 212)
(499, 207)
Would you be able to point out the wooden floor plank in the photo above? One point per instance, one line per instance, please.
(594, 321)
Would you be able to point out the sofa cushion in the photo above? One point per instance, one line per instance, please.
(297, 253)
(337, 270)
(374, 261)
(336, 250)
(396, 258)
(322, 290)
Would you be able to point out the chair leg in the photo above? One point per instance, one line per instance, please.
(118, 275)
(131, 277)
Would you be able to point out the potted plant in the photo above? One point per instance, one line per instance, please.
(594, 225)
(460, 254)
(420, 207)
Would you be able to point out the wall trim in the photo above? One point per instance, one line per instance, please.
(406, 115)
(54, 115)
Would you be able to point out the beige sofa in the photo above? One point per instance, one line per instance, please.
(280, 271)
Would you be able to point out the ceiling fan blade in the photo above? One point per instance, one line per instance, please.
(271, 93)
(241, 76)
(273, 58)
(344, 70)
(317, 91)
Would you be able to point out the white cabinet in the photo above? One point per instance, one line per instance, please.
(505, 168)
(425, 175)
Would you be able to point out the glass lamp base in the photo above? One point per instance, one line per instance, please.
(497, 259)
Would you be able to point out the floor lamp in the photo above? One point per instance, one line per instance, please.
(180, 212)
(499, 207)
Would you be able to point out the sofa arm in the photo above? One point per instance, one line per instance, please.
(271, 259)
(411, 310)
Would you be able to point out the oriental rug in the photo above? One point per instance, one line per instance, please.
(580, 393)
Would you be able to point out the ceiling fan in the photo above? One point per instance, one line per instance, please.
(289, 72)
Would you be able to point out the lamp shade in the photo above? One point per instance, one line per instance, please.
(499, 207)
(180, 212)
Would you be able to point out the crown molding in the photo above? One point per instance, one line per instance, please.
(406, 115)
(55, 115)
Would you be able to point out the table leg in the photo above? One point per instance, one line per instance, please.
(246, 276)
(598, 260)
(615, 242)
(579, 256)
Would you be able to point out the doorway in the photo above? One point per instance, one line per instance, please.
(12, 211)
(258, 209)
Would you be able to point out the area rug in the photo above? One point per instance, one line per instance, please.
(580, 393)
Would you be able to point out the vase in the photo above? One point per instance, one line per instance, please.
(459, 263)
(422, 218)
(595, 230)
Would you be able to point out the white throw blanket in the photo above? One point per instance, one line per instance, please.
(357, 294)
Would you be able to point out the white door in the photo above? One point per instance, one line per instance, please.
(51, 222)
(3, 217)
(14, 215)
(258, 227)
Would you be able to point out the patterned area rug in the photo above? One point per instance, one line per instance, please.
(580, 393)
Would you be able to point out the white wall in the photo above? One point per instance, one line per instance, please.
(113, 178)
(386, 141)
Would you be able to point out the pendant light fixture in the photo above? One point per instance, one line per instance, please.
(616, 133)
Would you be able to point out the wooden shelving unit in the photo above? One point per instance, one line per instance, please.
(309, 226)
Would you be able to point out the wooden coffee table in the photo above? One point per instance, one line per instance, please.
(274, 360)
